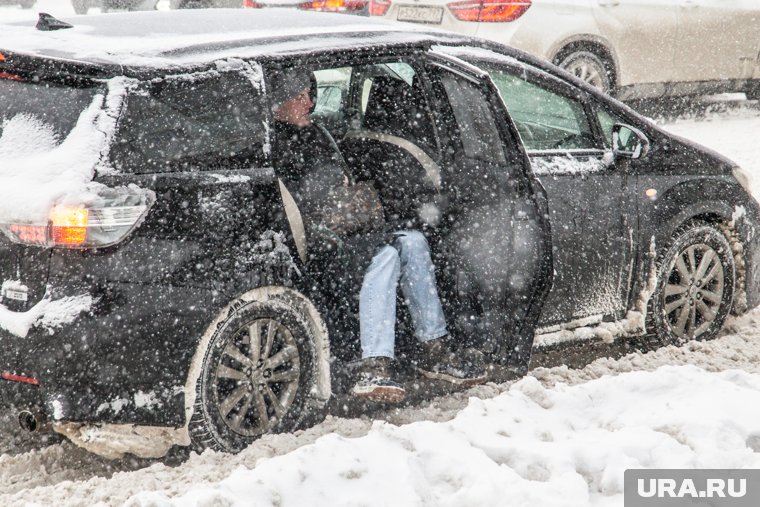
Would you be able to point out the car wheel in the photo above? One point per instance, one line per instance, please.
(80, 6)
(588, 67)
(255, 378)
(695, 286)
(27, 4)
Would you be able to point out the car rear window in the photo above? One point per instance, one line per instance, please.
(192, 123)
(38, 115)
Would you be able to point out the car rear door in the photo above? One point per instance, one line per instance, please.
(497, 235)
(717, 39)
(643, 35)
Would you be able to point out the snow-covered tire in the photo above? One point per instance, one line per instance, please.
(27, 4)
(242, 394)
(695, 286)
(588, 67)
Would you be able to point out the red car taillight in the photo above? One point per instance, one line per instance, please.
(19, 378)
(251, 4)
(334, 5)
(489, 11)
(379, 7)
(82, 226)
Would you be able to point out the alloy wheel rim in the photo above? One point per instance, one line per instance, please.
(694, 291)
(256, 377)
(589, 71)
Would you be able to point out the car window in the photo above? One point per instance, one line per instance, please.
(478, 131)
(545, 119)
(39, 114)
(332, 90)
(192, 123)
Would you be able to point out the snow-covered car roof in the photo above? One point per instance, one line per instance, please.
(187, 37)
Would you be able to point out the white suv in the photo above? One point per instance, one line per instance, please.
(635, 48)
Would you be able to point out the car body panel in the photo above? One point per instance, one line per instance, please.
(704, 24)
(644, 32)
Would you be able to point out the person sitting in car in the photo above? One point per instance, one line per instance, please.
(343, 215)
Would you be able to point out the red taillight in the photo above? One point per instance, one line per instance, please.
(334, 5)
(379, 7)
(83, 227)
(251, 4)
(489, 11)
(19, 378)
(29, 234)
(8, 75)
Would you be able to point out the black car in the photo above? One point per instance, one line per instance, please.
(165, 295)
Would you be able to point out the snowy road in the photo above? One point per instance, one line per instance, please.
(559, 437)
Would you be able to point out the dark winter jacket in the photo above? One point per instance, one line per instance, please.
(312, 167)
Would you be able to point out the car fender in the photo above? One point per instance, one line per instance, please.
(280, 293)
(588, 39)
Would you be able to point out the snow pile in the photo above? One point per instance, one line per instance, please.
(39, 170)
(568, 445)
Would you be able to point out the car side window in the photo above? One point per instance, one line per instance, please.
(192, 122)
(332, 91)
(477, 128)
(545, 119)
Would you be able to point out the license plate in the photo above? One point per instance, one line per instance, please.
(420, 14)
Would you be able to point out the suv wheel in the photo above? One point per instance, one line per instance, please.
(80, 6)
(27, 4)
(695, 286)
(256, 375)
(588, 67)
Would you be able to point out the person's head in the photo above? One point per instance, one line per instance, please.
(291, 97)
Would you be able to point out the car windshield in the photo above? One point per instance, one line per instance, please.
(38, 116)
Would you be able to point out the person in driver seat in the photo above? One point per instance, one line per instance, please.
(342, 214)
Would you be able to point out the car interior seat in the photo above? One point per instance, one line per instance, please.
(392, 147)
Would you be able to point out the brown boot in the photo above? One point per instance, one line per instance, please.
(438, 362)
(375, 382)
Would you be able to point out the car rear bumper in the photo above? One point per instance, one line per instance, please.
(123, 361)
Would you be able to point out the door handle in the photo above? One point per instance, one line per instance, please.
(689, 4)
(608, 3)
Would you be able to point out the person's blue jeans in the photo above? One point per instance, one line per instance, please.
(409, 262)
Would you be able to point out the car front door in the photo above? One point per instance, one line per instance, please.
(717, 39)
(588, 193)
(643, 34)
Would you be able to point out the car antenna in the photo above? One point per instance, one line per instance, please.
(47, 23)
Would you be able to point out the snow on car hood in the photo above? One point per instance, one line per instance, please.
(38, 171)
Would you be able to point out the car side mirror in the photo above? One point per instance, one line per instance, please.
(629, 142)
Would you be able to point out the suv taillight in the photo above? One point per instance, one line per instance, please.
(334, 5)
(251, 4)
(489, 11)
(379, 7)
(83, 226)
